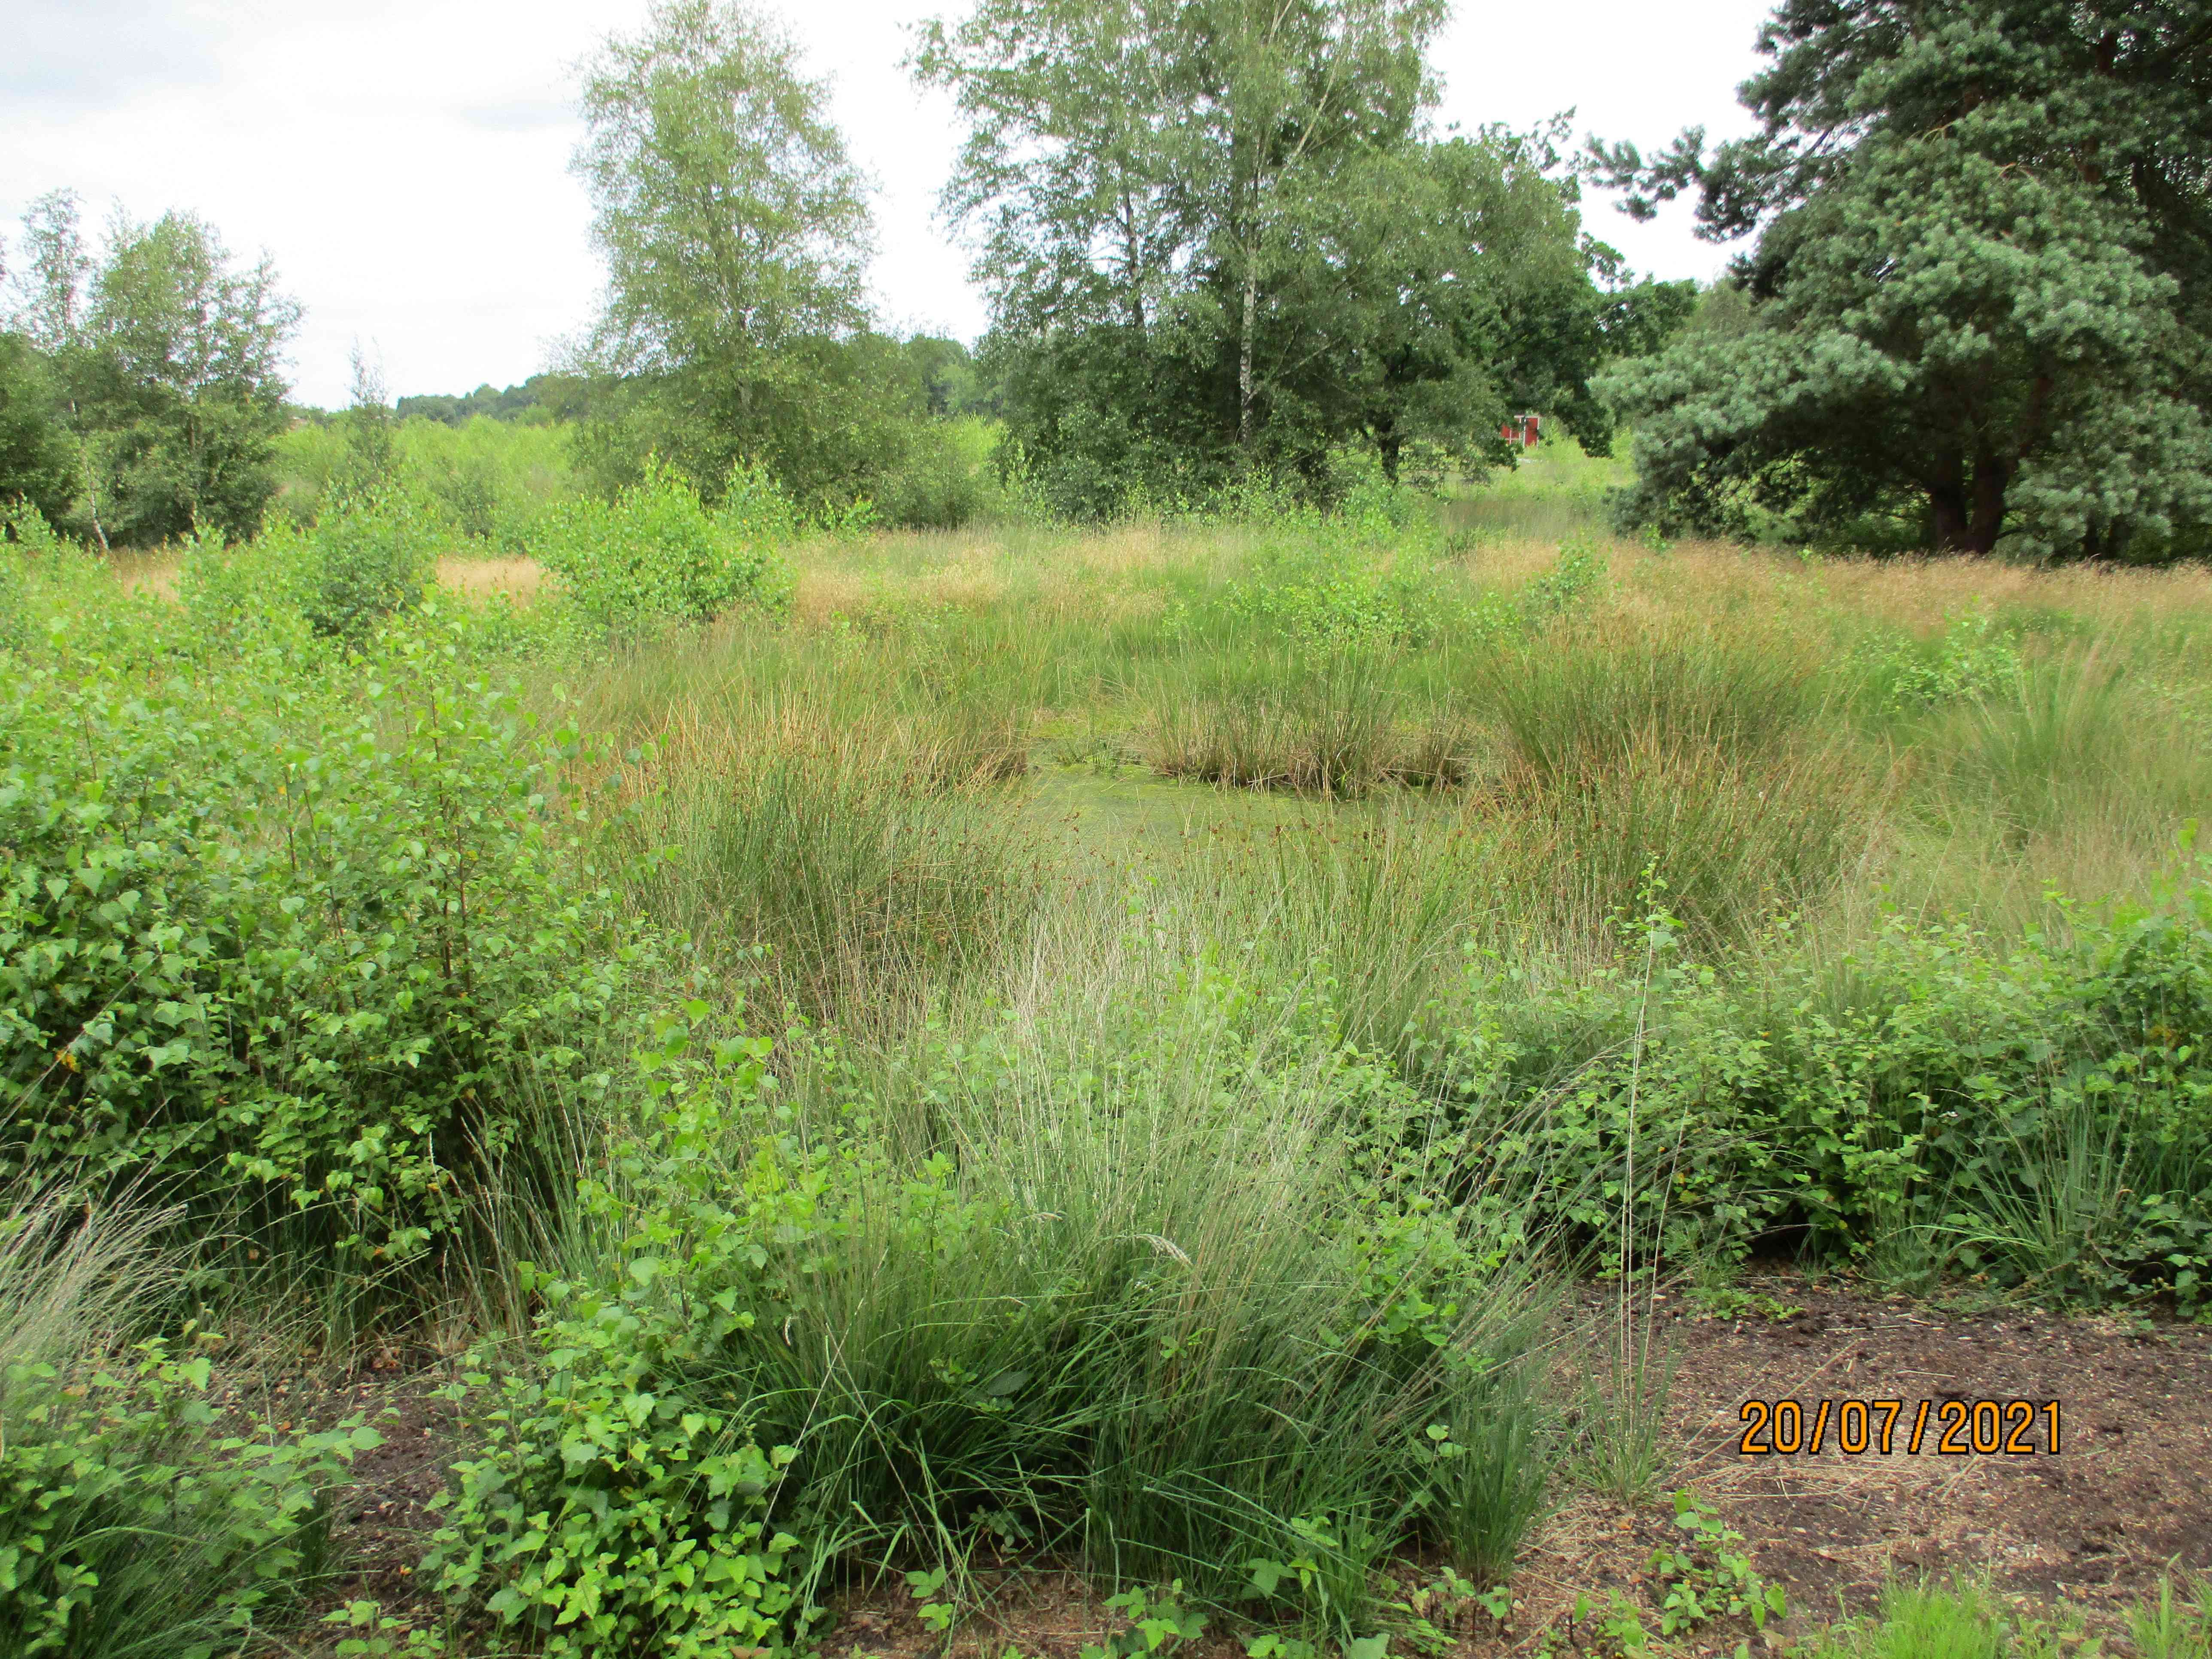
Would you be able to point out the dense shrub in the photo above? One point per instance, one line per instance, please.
(488, 482)
(125, 1518)
(287, 948)
(1367, 579)
(655, 554)
(366, 561)
(1973, 659)
(1925, 1105)
(943, 478)
(35, 563)
(249, 598)
(341, 580)
(15, 600)
(617, 1506)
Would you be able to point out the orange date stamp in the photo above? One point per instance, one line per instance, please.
(1949, 1428)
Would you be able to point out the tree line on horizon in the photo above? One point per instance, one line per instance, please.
(1225, 242)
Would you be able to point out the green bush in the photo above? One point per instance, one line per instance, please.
(617, 1506)
(15, 600)
(943, 478)
(342, 579)
(127, 1525)
(656, 555)
(1366, 579)
(1974, 658)
(365, 562)
(290, 950)
(493, 480)
(2038, 1118)
(37, 568)
(250, 597)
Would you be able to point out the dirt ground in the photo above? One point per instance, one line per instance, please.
(2127, 1497)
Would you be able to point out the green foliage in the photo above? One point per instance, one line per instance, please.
(538, 400)
(1578, 577)
(126, 1519)
(735, 228)
(655, 555)
(292, 951)
(15, 597)
(943, 478)
(367, 561)
(1181, 302)
(168, 359)
(487, 481)
(1107, 1336)
(38, 460)
(1368, 576)
(1974, 659)
(250, 597)
(1157, 1619)
(608, 1512)
(494, 481)
(1324, 585)
(381, 1635)
(1703, 1578)
(15, 623)
(1319, 707)
(140, 1516)
(1977, 295)
(1988, 1109)
(621, 1499)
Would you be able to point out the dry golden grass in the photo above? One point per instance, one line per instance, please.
(154, 570)
(1715, 580)
(519, 579)
(1918, 593)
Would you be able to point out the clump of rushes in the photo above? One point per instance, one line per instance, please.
(874, 861)
(1637, 752)
(1337, 725)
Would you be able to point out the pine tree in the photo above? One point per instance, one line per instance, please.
(1981, 239)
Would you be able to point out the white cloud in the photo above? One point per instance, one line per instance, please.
(405, 161)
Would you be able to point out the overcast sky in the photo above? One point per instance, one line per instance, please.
(405, 161)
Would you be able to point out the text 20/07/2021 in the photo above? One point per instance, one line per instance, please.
(1960, 1428)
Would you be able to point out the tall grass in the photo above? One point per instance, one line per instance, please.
(1730, 842)
(76, 1280)
(2066, 744)
(1327, 723)
(1147, 1305)
(1638, 752)
(128, 1531)
(874, 857)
